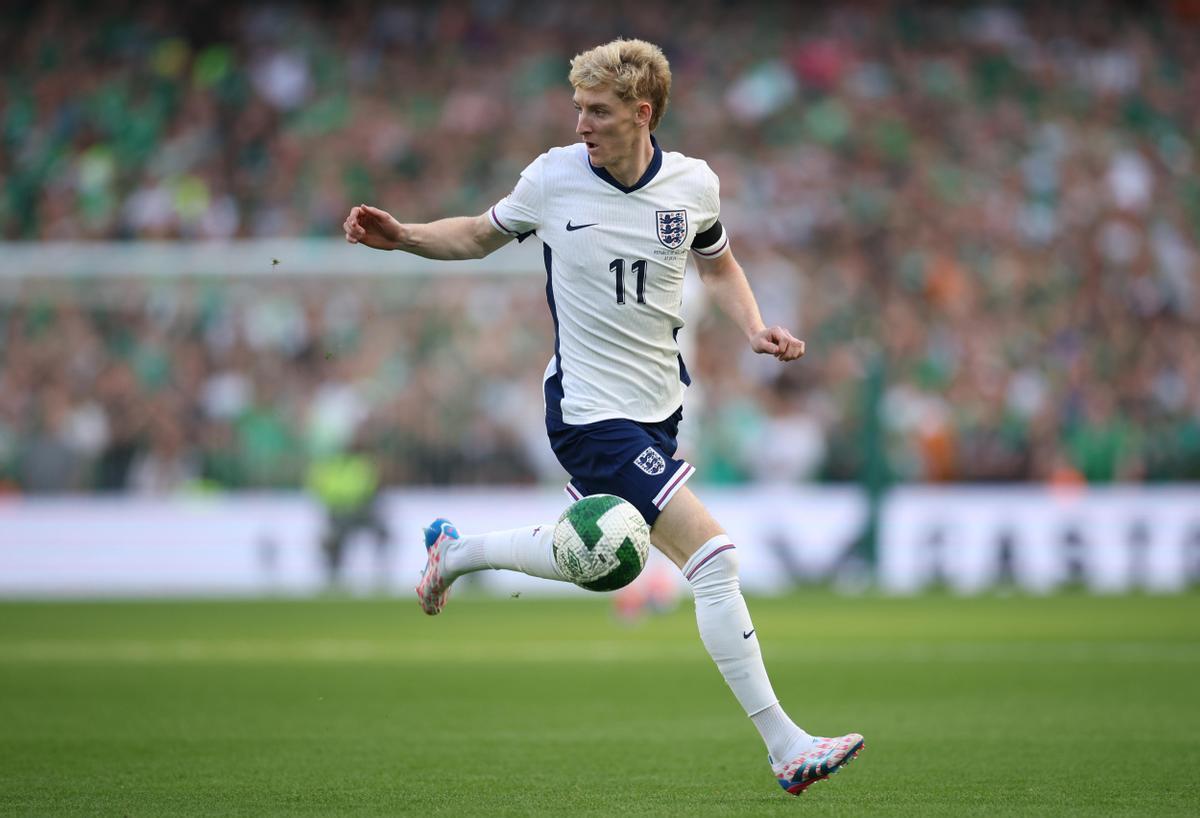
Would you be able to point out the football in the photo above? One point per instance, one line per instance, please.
(601, 543)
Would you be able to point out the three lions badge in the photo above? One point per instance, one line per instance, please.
(651, 462)
(672, 227)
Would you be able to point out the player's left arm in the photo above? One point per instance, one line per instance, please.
(726, 283)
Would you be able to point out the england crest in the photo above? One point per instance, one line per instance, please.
(651, 462)
(672, 227)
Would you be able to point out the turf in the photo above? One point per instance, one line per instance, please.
(1069, 705)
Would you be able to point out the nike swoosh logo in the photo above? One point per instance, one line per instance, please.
(748, 634)
(573, 227)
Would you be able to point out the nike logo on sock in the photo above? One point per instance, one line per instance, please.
(573, 227)
(748, 634)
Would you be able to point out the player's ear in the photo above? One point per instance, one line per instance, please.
(642, 113)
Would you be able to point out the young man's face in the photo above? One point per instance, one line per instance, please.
(608, 126)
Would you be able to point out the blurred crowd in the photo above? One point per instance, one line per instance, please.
(983, 219)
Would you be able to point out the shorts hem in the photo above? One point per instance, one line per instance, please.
(681, 476)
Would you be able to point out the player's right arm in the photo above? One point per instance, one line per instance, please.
(462, 237)
(515, 216)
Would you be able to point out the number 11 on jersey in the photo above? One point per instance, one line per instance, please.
(639, 269)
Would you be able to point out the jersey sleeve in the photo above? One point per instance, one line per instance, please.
(520, 212)
(711, 239)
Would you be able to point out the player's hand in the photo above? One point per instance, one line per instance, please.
(373, 227)
(779, 342)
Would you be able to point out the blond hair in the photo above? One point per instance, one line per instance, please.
(633, 69)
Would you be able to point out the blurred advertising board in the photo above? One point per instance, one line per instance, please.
(968, 539)
(1106, 539)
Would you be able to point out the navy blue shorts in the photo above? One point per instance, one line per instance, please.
(631, 460)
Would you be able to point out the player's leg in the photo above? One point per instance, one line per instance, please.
(683, 526)
(596, 455)
(450, 555)
(693, 540)
(528, 550)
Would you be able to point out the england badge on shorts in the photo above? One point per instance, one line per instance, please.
(651, 462)
(672, 227)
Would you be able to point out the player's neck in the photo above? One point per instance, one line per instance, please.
(630, 168)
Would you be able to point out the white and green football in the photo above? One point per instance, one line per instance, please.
(601, 543)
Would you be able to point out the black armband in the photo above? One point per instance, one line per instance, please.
(709, 237)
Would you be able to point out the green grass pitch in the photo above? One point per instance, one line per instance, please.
(1066, 706)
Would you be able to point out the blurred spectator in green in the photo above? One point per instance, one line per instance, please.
(1003, 198)
(346, 483)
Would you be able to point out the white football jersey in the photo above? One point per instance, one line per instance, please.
(615, 259)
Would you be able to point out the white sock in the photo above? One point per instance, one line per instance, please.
(528, 550)
(728, 635)
(783, 738)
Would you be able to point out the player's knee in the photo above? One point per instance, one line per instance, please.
(728, 562)
(715, 573)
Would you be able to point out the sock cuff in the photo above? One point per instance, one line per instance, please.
(760, 711)
(717, 545)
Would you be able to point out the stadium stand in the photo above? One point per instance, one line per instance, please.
(990, 211)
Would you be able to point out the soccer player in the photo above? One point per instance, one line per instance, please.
(617, 216)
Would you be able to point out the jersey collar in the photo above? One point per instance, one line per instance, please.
(651, 171)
